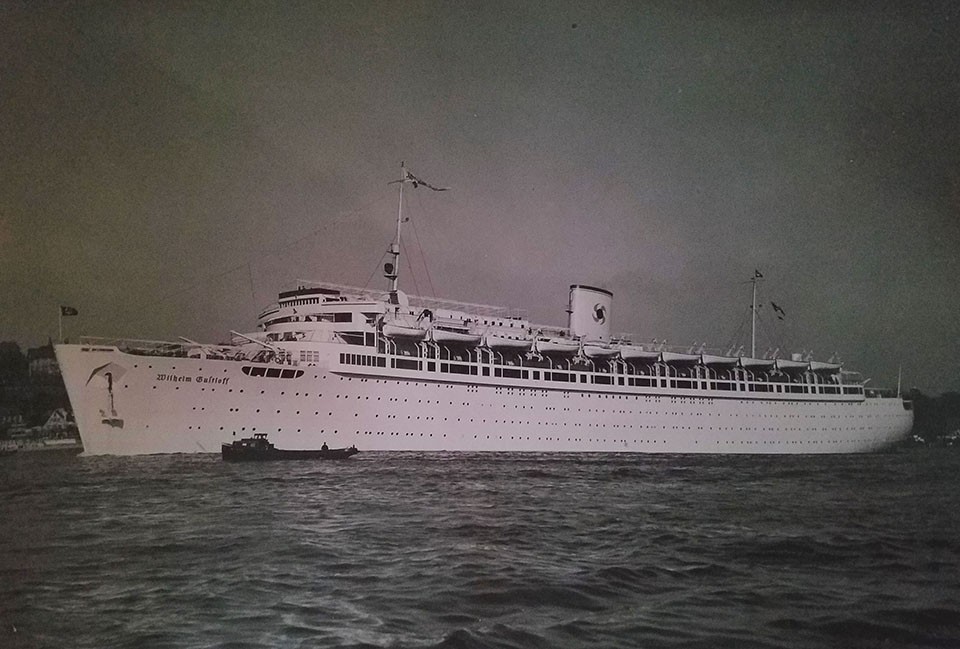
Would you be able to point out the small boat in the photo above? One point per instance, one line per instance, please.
(453, 336)
(551, 345)
(259, 449)
(712, 360)
(757, 363)
(403, 331)
(504, 341)
(676, 358)
(598, 350)
(629, 352)
(820, 366)
(785, 365)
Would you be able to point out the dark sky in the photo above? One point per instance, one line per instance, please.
(166, 168)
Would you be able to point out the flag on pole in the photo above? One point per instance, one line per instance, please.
(416, 181)
(64, 312)
(410, 178)
(757, 274)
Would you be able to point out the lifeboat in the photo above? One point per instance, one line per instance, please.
(551, 345)
(630, 352)
(403, 330)
(791, 366)
(451, 336)
(598, 349)
(820, 366)
(498, 341)
(676, 358)
(718, 361)
(758, 363)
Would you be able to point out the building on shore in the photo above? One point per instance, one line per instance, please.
(42, 363)
(57, 433)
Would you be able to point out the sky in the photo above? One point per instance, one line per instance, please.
(168, 168)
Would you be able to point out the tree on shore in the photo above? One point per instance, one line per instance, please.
(13, 362)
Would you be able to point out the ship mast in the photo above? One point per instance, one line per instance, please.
(757, 276)
(391, 269)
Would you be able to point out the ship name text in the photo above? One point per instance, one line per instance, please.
(181, 378)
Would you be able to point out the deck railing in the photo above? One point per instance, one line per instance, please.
(421, 301)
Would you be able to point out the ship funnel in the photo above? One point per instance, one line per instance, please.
(589, 311)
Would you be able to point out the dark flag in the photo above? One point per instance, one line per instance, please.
(68, 310)
(757, 274)
(416, 181)
(410, 178)
(776, 309)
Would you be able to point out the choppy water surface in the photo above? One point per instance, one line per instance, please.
(484, 550)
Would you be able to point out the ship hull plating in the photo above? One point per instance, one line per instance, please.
(128, 404)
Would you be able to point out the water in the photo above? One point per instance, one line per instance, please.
(484, 550)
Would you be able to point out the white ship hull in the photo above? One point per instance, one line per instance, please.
(350, 366)
(185, 405)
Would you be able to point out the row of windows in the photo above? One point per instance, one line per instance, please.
(315, 317)
(313, 300)
(365, 360)
(271, 372)
(595, 379)
(874, 439)
(501, 323)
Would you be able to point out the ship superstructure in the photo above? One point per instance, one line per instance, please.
(381, 370)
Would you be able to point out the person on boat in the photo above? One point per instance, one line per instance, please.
(324, 447)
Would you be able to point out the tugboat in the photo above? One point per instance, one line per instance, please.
(259, 449)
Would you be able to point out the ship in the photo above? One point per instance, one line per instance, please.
(259, 449)
(386, 371)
